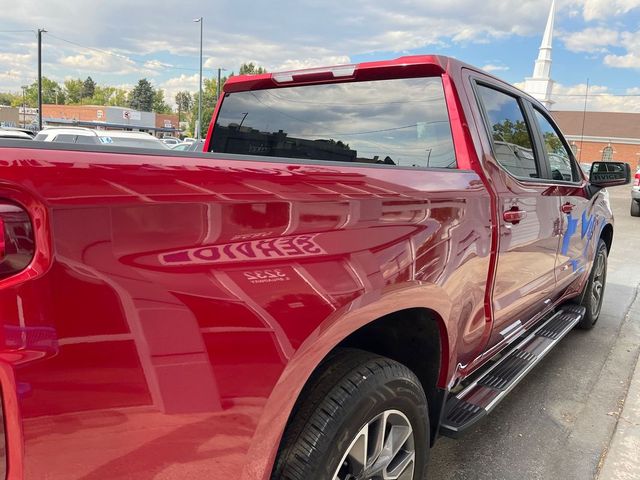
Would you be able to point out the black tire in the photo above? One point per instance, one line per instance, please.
(593, 292)
(635, 208)
(350, 390)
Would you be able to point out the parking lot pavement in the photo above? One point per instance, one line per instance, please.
(565, 419)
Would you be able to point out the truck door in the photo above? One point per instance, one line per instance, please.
(528, 212)
(577, 221)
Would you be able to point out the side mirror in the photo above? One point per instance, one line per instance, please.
(609, 174)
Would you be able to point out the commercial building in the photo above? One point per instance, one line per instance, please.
(9, 117)
(110, 118)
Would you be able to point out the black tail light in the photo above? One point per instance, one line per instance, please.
(17, 246)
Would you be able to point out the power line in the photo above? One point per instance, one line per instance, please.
(145, 63)
(581, 95)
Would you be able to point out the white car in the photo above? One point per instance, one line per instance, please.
(87, 136)
(13, 134)
(171, 141)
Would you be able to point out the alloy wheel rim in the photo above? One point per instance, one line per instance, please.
(383, 449)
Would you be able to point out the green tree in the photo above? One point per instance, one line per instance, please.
(119, 98)
(159, 105)
(209, 100)
(73, 91)
(52, 93)
(10, 99)
(88, 88)
(101, 95)
(184, 103)
(251, 69)
(142, 96)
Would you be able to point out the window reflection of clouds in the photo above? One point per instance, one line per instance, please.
(405, 119)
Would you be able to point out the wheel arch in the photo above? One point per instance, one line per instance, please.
(280, 406)
(607, 236)
(399, 336)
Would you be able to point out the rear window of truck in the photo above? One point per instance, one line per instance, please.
(400, 122)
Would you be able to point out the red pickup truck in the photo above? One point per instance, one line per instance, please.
(364, 257)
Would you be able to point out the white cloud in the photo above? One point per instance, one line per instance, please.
(16, 69)
(599, 98)
(591, 40)
(601, 40)
(602, 9)
(311, 32)
(490, 67)
(110, 63)
(178, 84)
(629, 60)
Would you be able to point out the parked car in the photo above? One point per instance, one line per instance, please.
(14, 134)
(171, 141)
(26, 131)
(119, 138)
(87, 136)
(196, 146)
(365, 258)
(635, 196)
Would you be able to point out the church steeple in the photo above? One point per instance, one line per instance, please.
(540, 85)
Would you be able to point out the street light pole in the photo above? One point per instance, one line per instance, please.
(40, 32)
(199, 134)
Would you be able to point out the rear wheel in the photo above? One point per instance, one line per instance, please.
(363, 417)
(593, 292)
(635, 208)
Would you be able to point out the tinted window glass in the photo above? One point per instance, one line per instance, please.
(562, 167)
(395, 122)
(87, 140)
(511, 135)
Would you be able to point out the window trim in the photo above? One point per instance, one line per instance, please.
(477, 82)
(547, 163)
(311, 161)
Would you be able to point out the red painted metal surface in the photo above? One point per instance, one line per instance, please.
(179, 290)
(176, 306)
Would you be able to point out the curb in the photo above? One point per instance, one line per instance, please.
(622, 462)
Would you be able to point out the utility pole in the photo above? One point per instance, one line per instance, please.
(24, 106)
(584, 116)
(218, 86)
(199, 127)
(40, 32)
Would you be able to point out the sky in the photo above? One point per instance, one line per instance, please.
(117, 42)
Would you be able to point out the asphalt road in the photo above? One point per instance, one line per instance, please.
(558, 422)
